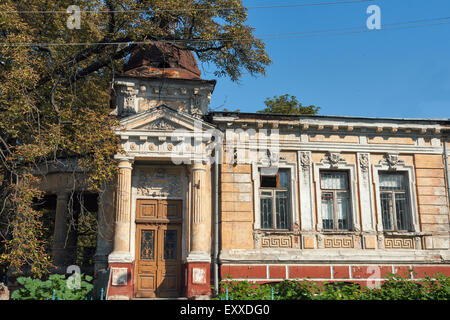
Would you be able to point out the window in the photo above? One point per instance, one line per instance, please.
(335, 200)
(394, 201)
(274, 200)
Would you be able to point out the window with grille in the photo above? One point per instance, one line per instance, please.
(274, 196)
(395, 210)
(335, 200)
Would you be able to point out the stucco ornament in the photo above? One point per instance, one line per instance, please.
(364, 162)
(305, 160)
(392, 160)
(158, 183)
(334, 159)
(161, 124)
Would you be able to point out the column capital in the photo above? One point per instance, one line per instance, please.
(121, 157)
(124, 162)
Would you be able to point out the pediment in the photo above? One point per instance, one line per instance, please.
(161, 124)
(164, 119)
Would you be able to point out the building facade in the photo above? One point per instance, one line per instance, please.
(202, 195)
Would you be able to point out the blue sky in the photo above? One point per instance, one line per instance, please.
(389, 73)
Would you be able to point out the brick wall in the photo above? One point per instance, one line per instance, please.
(362, 274)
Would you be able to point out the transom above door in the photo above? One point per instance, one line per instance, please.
(156, 210)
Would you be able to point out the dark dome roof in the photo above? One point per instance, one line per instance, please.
(162, 60)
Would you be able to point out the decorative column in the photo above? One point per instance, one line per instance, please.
(365, 195)
(307, 217)
(121, 259)
(59, 252)
(199, 258)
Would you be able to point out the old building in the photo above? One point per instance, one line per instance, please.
(201, 195)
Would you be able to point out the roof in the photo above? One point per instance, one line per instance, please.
(162, 60)
(273, 116)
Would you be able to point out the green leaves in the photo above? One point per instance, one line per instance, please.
(36, 289)
(54, 99)
(286, 104)
(393, 288)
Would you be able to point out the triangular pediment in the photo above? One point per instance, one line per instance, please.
(162, 118)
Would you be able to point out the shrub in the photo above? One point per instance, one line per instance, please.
(394, 287)
(243, 290)
(36, 289)
(296, 290)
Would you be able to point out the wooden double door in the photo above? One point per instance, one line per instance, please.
(158, 248)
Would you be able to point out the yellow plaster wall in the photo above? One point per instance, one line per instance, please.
(431, 193)
(236, 205)
(390, 140)
(334, 138)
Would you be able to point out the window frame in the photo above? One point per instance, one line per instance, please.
(335, 193)
(273, 196)
(325, 164)
(383, 166)
(392, 204)
(293, 195)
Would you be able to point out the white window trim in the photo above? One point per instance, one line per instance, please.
(399, 166)
(339, 165)
(293, 191)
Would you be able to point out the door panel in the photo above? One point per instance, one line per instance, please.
(146, 260)
(169, 264)
(170, 209)
(147, 209)
(158, 250)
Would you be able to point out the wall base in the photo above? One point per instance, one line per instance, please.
(198, 281)
(364, 274)
(121, 279)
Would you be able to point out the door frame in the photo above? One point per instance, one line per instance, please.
(159, 224)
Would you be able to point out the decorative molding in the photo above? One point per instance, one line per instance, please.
(366, 192)
(392, 161)
(160, 124)
(305, 159)
(151, 146)
(320, 241)
(276, 242)
(399, 243)
(257, 239)
(334, 159)
(307, 216)
(338, 242)
(157, 183)
(380, 242)
(317, 256)
(364, 162)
